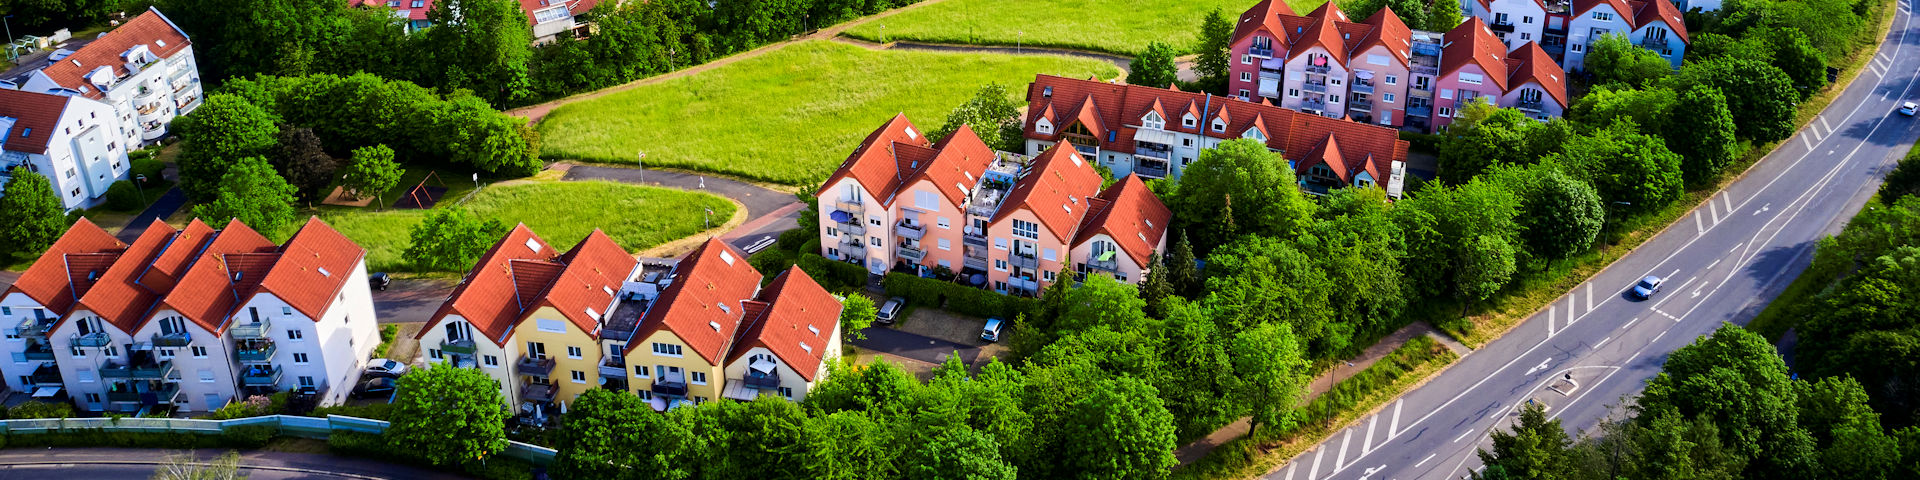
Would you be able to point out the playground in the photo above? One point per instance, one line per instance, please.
(413, 191)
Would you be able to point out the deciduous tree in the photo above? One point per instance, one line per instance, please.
(1265, 199)
(1535, 448)
(1120, 431)
(1614, 58)
(479, 45)
(1633, 172)
(1271, 368)
(448, 415)
(254, 194)
(299, 159)
(615, 435)
(1760, 91)
(451, 239)
(225, 129)
(856, 314)
(991, 114)
(372, 170)
(31, 216)
(1154, 67)
(1707, 145)
(958, 453)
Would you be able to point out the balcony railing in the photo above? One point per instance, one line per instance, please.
(1109, 265)
(152, 371)
(1319, 69)
(1151, 169)
(1360, 104)
(534, 367)
(95, 339)
(852, 226)
(974, 240)
(614, 367)
(252, 331)
(1315, 105)
(255, 354)
(1426, 70)
(1023, 261)
(912, 254)
(1314, 87)
(33, 327)
(1088, 151)
(1153, 151)
(910, 231)
(852, 240)
(1655, 44)
(38, 351)
(1362, 87)
(260, 376)
(1419, 112)
(755, 379)
(1531, 106)
(175, 339)
(1502, 27)
(975, 263)
(672, 386)
(852, 207)
(462, 346)
(1420, 92)
(1262, 52)
(46, 373)
(538, 392)
(130, 393)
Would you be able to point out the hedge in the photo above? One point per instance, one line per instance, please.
(373, 446)
(834, 275)
(150, 167)
(245, 436)
(123, 196)
(955, 297)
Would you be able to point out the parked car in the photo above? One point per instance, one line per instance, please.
(379, 281)
(1648, 286)
(374, 387)
(1908, 108)
(385, 368)
(992, 331)
(889, 310)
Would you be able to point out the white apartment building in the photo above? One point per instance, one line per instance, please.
(144, 69)
(77, 143)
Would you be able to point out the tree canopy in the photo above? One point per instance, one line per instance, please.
(225, 129)
(992, 114)
(1252, 187)
(1154, 66)
(254, 194)
(31, 215)
(448, 415)
(451, 239)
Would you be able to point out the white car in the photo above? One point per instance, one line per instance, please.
(381, 367)
(991, 332)
(1908, 108)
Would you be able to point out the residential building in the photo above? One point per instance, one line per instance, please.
(1375, 71)
(1700, 5)
(153, 325)
(412, 14)
(46, 292)
(679, 349)
(1525, 78)
(1034, 228)
(1124, 228)
(1131, 128)
(548, 18)
(791, 331)
(1652, 24)
(901, 201)
(144, 70)
(77, 143)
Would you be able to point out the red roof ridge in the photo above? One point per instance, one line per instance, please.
(1482, 49)
(49, 283)
(1530, 63)
(793, 317)
(703, 306)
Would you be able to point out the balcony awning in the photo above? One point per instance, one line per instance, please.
(1363, 74)
(840, 216)
(46, 392)
(763, 364)
(1108, 255)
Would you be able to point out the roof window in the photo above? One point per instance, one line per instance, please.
(723, 308)
(911, 133)
(715, 325)
(1047, 92)
(726, 257)
(325, 273)
(533, 245)
(814, 329)
(804, 346)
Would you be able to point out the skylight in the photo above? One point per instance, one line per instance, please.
(726, 257)
(715, 325)
(533, 245)
(325, 273)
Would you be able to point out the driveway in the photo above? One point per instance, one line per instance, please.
(769, 212)
(916, 347)
(410, 300)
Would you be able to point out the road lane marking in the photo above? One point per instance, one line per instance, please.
(1716, 262)
(1589, 297)
(1394, 427)
(1603, 341)
(1463, 435)
(1727, 199)
(1656, 338)
(1714, 209)
(1809, 142)
(1823, 123)
(1570, 308)
(1314, 472)
(1665, 314)
(1291, 469)
(1344, 440)
(1736, 246)
(1550, 319)
(1423, 461)
(1698, 228)
(1762, 208)
(1629, 323)
(1366, 444)
(1541, 366)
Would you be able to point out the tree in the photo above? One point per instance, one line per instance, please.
(1182, 276)
(1154, 67)
(372, 170)
(254, 194)
(1760, 91)
(1270, 365)
(1486, 264)
(451, 240)
(225, 129)
(1795, 56)
(1101, 301)
(31, 217)
(1614, 58)
(186, 466)
(1737, 379)
(1154, 287)
(1484, 137)
(304, 164)
(1411, 12)
(1707, 145)
(1651, 109)
(1854, 446)
(959, 453)
(447, 415)
(1444, 227)
(479, 45)
(1536, 448)
(851, 446)
(992, 115)
(1198, 370)
(856, 314)
(1443, 15)
(1559, 215)
(1261, 280)
(612, 434)
(1214, 63)
(1120, 431)
(1239, 187)
(1633, 172)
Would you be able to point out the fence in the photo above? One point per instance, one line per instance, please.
(289, 425)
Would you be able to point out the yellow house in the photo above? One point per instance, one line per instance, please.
(558, 338)
(678, 352)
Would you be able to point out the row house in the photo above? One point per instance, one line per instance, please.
(1651, 24)
(547, 18)
(192, 318)
(79, 144)
(1375, 71)
(900, 200)
(1133, 129)
(1479, 68)
(144, 70)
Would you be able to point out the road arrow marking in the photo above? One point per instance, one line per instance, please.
(1541, 366)
(1371, 471)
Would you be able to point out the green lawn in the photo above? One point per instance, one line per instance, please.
(790, 116)
(562, 213)
(1114, 26)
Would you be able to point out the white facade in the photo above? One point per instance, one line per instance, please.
(203, 368)
(448, 339)
(86, 153)
(27, 349)
(1515, 22)
(1703, 5)
(326, 355)
(145, 101)
(1662, 39)
(791, 385)
(1584, 29)
(83, 356)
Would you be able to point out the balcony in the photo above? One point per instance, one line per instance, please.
(1362, 87)
(1319, 69)
(1531, 106)
(850, 240)
(1023, 261)
(141, 370)
(912, 254)
(760, 380)
(33, 327)
(1153, 151)
(1428, 70)
(1360, 104)
(1151, 169)
(972, 239)
(1261, 52)
(1088, 151)
(975, 263)
(95, 339)
(1502, 27)
(537, 393)
(47, 373)
(1314, 106)
(1420, 92)
(1419, 112)
(252, 331)
(175, 339)
(134, 393)
(1653, 43)
(258, 353)
(614, 367)
(260, 376)
(1107, 264)
(853, 207)
(1314, 87)
(913, 231)
(672, 384)
(851, 226)
(533, 367)
(38, 351)
(460, 346)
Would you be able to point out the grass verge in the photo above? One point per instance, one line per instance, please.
(386, 340)
(1421, 357)
(1122, 27)
(789, 116)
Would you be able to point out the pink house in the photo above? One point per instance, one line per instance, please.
(1124, 227)
(900, 201)
(1034, 229)
(1536, 85)
(1474, 68)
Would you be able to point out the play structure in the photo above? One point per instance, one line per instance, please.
(423, 196)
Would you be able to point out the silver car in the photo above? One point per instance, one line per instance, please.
(889, 311)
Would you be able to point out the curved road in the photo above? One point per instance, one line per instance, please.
(1724, 261)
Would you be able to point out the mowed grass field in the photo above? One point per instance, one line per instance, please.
(789, 116)
(1114, 26)
(562, 213)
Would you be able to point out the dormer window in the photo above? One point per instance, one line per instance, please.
(1188, 121)
(1152, 120)
(1254, 133)
(1043, 126)
(1219, 125)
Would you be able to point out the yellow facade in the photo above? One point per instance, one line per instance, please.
(532, 339)
(688, 361)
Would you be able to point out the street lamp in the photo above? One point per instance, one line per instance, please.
(9, 25)
(642, 163)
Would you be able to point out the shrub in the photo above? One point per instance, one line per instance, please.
(377, 411)
(359, 445)
(1422, 142)
(1903, 180)
(249, 436)
(150, 167)
(792, 240)
(36, 409)
(253, 406)
(958, 298)
(833, 274)
(123, 196)
(94, 437)
(141, 154)
(771, 262)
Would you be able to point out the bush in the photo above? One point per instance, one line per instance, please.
(377, 411)
(94, 438)
(249, 436)
(37, 409)
(832, 274)
(149, 167)
(1903, 180)
(253, 406)
(771, 262)
(1422, 142)
(360, 445)
(793, 240)
(955, 297)
(123, 196)
(141, 154)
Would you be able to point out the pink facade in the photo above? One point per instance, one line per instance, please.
(1455, 92)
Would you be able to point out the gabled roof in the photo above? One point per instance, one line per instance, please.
(1132, 215)
(313, 267)
(1055, 190)
(1530, 63)
(584, 288)
(487, 296)
(1661, 11)
(873, 163)
(35, 117)
(151, 30)
(1472, 43)
(49, 281)
(1620, 7)
(210, 289)
(1388, 32)
(574, 7)
(795, 319)
(898, 155)
(1264, 15)
(706, 302)
(179, 253)
(116, 298)
(1322, 32)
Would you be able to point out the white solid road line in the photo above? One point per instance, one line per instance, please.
(1423, 461)
(1589, 296)
(1728, 200)
(1314, 473)
(1550, 319)
(1291, 469)
(1738, 245)
(1716, 262)
(1603, 341)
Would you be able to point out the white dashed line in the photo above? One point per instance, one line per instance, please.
(1603, 341)
(1629, 323)
(1423, 461)
(1463, 435)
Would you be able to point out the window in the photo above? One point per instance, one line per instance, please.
(699, 400)
(1246, 76)
(1499, 18)
(699, 378)
(873, 241)
(299, 359)
(1602, 16)
(1472, 78)
(93, 398)
(419, 4)
(1246, 59)
(1446, 93)
(1000, 264)
(1293, 93)
(1026, 229)
(206, 376)
(1446, 112)
(1393, 80)
(1526, 19)
(1576, 48)
(1244, 94)
(286, 310)
(579, 376)
(550, 325)
(943, 223)
(198, 351)
(1526, 36)
(306, 381)
(786, 392)
(1333, 98)
(640, 371)
(536, 350)
(1000, 243)
(1219, 125)
(549, 15)
(434, 353)
(666, 350)
(295, 335)
(1387, 97)
(926, 200)
(492, 361)
(573, 352)
(71, 172)
(1187, 121)
(831, 232)
(1046, 275)
(873, 221)
(946, 244)
(1377, 59)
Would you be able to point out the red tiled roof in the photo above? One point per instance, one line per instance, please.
(1321, 32)
(1471, 43)
(49, 281)
(412, 13)
(180, 252)
(150, 29)
(788, 307)
(706, 302)
(117, 297)
(212, 291)
(1389, 32)
(35, 116)
(1660, 10)
(898, 155)
(873, 163)
(1055, 190)
(487, 297)
(1264, 15)
(1132, 215)
(1620, 7)
(313, 267)
(1530, 63)
(594, 270)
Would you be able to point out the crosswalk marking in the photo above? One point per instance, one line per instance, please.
(1313, 473)
(1366, 444)
(1393, 428)
(1344, 440)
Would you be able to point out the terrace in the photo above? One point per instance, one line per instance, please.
(538, 392)
(48, 373)
(625, 318)
(37, 349)
(34, 327)
(260, 376)
(1363, 86)
(1531, 106)
(986, 199)
(537, 367)
(140, 365)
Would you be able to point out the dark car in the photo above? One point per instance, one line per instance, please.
(374, 387)
(1647, 287)
(379, 281)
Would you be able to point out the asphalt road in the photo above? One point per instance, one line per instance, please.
(915, 346)
(1594, 346)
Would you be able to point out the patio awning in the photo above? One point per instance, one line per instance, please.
(46, 392)
(762, 364)
(1107, 256)
(1363, 74)
(840, 216)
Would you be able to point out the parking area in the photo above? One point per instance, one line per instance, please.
(924, 337)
